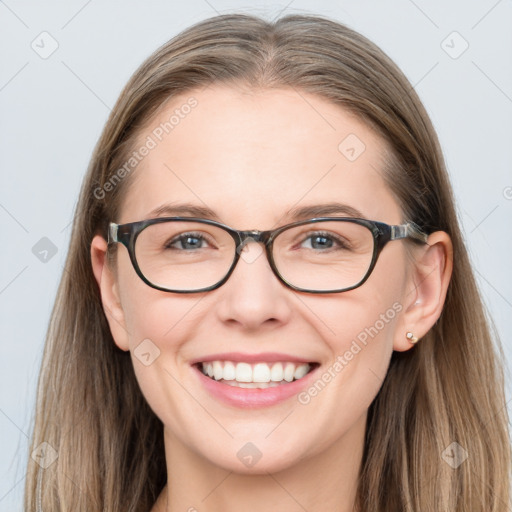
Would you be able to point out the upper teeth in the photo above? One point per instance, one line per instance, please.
(259, 372)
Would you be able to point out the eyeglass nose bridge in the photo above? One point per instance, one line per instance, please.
(253, 235)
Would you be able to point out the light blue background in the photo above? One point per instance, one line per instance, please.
(53, 110)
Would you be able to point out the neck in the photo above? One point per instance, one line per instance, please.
(324, 481)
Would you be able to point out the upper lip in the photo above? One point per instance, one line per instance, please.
(251, 358)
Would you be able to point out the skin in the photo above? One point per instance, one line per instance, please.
(251, 155)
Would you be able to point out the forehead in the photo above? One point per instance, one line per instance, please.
(250, 156)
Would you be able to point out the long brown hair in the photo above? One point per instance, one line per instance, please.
(447, 389)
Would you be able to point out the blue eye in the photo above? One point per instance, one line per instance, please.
(325, 240)
(187, 241)
(320, 241)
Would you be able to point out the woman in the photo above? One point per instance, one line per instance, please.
(293, 322)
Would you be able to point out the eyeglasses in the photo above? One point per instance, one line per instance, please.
(320, 255)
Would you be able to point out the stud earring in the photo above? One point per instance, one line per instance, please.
(410, 336)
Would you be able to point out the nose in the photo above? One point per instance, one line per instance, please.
(253, 296)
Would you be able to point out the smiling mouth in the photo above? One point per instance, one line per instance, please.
(256, 375)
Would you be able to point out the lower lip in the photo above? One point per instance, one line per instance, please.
(254, 397)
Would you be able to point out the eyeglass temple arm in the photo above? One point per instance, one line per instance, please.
(408, 230)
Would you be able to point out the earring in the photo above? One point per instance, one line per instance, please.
(410, 336)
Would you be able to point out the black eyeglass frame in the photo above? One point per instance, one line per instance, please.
(382, 234)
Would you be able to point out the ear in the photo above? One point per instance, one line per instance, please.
(109, 292)
(426, 289)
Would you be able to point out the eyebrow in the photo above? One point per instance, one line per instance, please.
(296, 213)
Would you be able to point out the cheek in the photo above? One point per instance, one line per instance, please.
(359, 329)
(159, 325)
(150, 313)
(360, 342)
(368, 312)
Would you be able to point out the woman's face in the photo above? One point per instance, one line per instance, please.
(250, 157)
